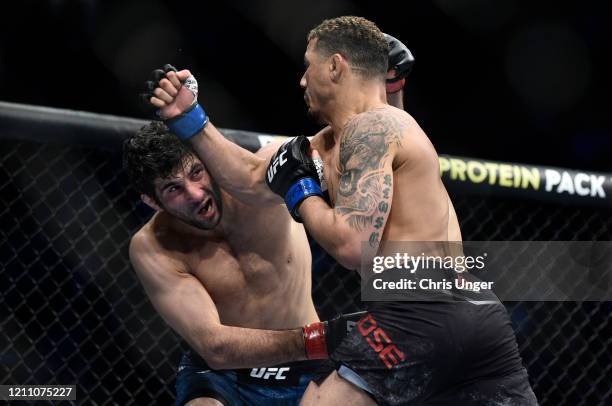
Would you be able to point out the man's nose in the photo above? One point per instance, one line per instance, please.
(303, 81)
(194, 191)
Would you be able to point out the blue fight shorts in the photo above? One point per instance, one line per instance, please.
(278, 385)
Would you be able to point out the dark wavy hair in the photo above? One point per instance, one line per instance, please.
(153, 153)
(357, 39)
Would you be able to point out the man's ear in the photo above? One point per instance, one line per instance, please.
(150, 202)
(337, 67)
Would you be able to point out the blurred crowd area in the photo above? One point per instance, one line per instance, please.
(512, 80)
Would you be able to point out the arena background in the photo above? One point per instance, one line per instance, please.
(507, 81)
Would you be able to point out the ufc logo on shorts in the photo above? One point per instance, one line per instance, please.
(266, 373)
(380, 341)
(278, 162)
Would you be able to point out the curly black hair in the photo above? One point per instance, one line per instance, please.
(153, 153)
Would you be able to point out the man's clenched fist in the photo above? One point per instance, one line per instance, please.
(175, 94)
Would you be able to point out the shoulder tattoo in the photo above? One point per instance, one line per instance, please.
(364, 189)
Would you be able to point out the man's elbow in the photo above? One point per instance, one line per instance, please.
(211, 345)
(216, 354)
(349, 255)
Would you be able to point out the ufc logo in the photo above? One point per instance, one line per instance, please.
(380, 342)
(266, 373)
(277, 163)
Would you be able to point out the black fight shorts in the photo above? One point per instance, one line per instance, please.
(436, 353)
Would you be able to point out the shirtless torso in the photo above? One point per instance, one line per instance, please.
(421, 208)
(256, 278)
(214, 285)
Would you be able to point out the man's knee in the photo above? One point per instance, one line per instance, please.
(310, 395)
(204, 402)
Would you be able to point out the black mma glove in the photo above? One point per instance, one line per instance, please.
(322, 338)
(193, 119)
(292, 174)
(400, 60)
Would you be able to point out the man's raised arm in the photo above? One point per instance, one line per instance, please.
(365, 189)
(235, 169)
(401, 63)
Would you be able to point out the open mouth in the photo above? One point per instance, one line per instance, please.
(206, 209)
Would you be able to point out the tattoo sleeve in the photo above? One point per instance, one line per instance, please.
(365, 188)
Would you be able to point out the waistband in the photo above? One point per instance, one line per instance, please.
(191, 359)
(287, 374)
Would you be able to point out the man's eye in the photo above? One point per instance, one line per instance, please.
(172, 189)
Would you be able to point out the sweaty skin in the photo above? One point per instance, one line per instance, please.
(242, 174)
(383, 177)
(398, 147)
(220, 288)
(379, 148)
(379, 165)
(381, 169)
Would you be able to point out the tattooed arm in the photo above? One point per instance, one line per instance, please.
(365, 189)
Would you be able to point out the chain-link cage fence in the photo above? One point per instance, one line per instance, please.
(73, 311)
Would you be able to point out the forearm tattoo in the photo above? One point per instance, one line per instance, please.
(364, 190)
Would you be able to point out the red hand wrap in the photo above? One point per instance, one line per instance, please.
(394, 87)
(314, 341)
